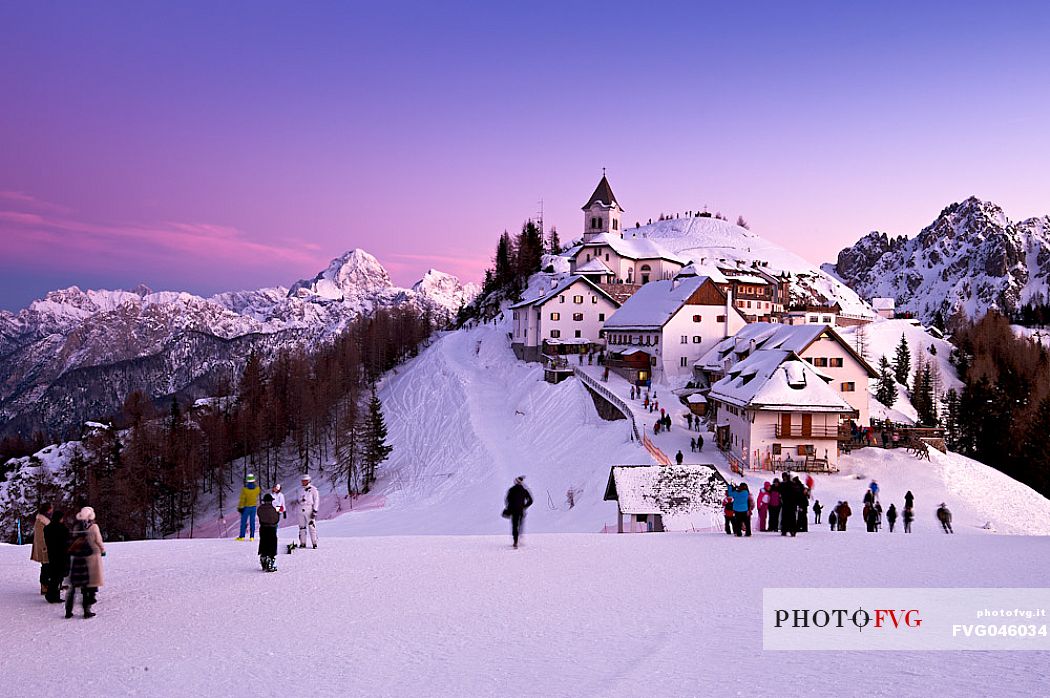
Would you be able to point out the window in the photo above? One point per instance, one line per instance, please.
(578, 300)
(616, 224)
(826, 319)
(820, 361)
(696, 339)
(555, 334)
(836, 362)
(561, 299)
(776, 449)
(601, 317)
(577, 317)
(697, 318)
(683, 362)
(800, 451)
(555, 316)
(685, 340)
(656, 340)
(606, 256)
(594, 300)
(849, 387)
(578, 335)
(749, 304)
(720, 318)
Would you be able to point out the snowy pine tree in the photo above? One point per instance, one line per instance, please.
(950, 420)
(555, 241)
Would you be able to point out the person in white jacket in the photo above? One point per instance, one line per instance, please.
(309, 503)
(278, 500)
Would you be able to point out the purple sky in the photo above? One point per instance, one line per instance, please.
(215, 146)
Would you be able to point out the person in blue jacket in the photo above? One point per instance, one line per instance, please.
(741, 515)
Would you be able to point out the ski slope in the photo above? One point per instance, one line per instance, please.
(465, 418)
(567, 615)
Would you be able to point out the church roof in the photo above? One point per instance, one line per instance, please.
(603, 194)
(594, 266)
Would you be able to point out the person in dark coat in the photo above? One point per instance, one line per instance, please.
(944, 515)
(774, 506)
(678, 457)
(909, 516)
(909, 500)
(268, 517)
(816, 511)
(85, 562)
(789, 498)
(56, 535)
(518, 500)
(833, 520)
(891, 516)
(844, 512)
(699, 440)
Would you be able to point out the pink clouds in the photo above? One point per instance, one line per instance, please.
(55, 240)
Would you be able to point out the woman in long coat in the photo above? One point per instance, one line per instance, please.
(39, 550)
(85, 569)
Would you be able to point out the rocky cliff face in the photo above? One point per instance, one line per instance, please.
(74, 355)
(971, 258)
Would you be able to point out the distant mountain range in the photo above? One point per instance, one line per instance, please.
(971, 258)
(74, 355)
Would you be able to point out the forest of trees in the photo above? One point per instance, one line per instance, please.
(147, 474)
(1002, 415)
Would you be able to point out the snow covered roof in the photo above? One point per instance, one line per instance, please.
(656, 302)
(696, 399)
(748, 279)
(593, 266)
(777, 379)
(634, 248)
(772, 335)
(883, 303)
(603, 195)
(671, 490)
(563, 286)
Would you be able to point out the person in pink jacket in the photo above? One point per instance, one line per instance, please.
(763, 506)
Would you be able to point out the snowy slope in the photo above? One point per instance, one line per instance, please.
(711, 241)
(567, 615)
(972, 258)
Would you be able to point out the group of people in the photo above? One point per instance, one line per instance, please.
(662, 424)
(783, 506)
(69, 559)
(873, 512)
(270, 513)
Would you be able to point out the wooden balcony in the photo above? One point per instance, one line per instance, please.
(800, 431)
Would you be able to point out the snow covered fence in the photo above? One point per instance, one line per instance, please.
(611, 397)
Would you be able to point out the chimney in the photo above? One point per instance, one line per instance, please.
(729, 309)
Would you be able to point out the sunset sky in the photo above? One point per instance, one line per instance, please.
(214, 146)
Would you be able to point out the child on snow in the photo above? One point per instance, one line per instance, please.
(269, 517)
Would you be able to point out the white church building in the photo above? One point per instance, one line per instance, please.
(605, 257)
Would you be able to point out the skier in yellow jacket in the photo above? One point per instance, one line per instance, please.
(247, 505)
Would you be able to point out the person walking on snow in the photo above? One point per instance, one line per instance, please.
(833, 520)
(247, 504)
(844, 513)
(699, 442)
(678, 457)
(944, 515)
(774, 506)
(85, 564)
(891, 516)
(518, 500)
(741, 516)
(816, 511)
(309, 503)
(692, 445)
(909, 516)
(727, 512)
(38, 553)
(269, 517)
(909, 500)
(278, 501)
(874, 487)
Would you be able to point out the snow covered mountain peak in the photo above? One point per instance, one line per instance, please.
(353, 275)
(445, 289)
(971, 258)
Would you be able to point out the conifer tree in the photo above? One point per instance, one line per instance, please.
(902, 362)
(555, 247)
(375, 449)
(887, 384)
(950, 419)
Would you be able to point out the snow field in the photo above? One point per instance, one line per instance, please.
(567, 615)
